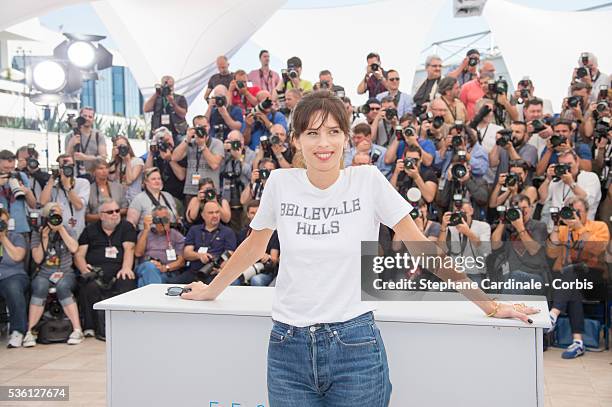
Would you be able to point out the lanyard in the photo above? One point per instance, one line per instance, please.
(168, 240)
(68, 200)
(156, 202)
(214, 235)
(453, 113)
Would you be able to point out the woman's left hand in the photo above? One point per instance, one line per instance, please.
(517, 311)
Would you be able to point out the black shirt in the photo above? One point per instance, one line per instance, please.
(274, 243)
(97, 241)
(177, 124)
(404, 182)
(172, 184)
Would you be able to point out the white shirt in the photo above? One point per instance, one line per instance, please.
(559, 192)
(321, 231)
(483, 231)
(488, 135)
(69, 212)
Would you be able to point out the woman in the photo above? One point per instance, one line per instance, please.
(14, 281)
(102, 188)
(152, 196)
(206, 192)
(125, 167)
(52, 250)
(317, 305)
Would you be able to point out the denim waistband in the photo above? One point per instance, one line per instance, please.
(368, 317)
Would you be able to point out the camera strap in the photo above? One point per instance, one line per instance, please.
(214, 234)
(67, 199)
(156, 202)
(453, 112)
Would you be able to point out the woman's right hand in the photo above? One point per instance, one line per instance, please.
(199, 292)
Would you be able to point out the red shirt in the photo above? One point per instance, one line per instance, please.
(237, 99)
(471, 92)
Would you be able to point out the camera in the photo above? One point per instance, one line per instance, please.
(201, 131)
(37, 222)
(265, 143)
(32, 163)
(123, 150)
(456, 218)
(13, 182)
(479, 117)
(209, 194)
(574, 101)
(556, 140)
(390, 113)
(603, 92)
(567, 213)
(459, 171)
(264, 174)
(512, 179)
(554, 214)
(409, 131)
(413, 197)
(160, 220)
(219, 129)
(3, 225)
(235, 145)
(399, 132)
(473, 61)
(374, 67)
(560, 171)
(240, 84)
(376, 153)
(582, 72)
(220, 101)
(275, 139)
(265, 104)
(523, 95)
(508, 215)
(215, 263)
(163, 145)
(456, 141)
(292, 71)
(497, 87)
(538, 125)
(505, 137)
(410, 163)
(437, 122)
(602, 106)
(163, 90)
(365, 109)
(68, 171)
(602, 127)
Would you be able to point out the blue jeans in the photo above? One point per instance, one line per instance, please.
(13, 290)
(64, 288)
(147, 274)
(262, 280)
(338, 364)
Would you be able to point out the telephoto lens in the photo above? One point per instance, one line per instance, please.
(567, 213)
(459, 171)
(15, 187)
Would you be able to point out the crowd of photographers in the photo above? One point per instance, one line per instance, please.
(488, 172)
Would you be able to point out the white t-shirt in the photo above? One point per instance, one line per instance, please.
(74, 219)
(559, 192)
(458, 241)
(321, 231)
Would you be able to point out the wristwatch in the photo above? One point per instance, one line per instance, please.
(573, 185)
(167, 268)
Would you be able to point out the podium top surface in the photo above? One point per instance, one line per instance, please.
(257, 302)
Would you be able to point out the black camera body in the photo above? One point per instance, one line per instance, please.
(220, 101)
(574, 101)
(275, 140)
(456, 218)
(292, 71)
(410, 163)
(123, 150)
(201, 132)
(560, 171)
(390, 113)
(236, 145)
(163, 145)
(264, 174)
(582, 72)
(497, 87)
(240, 84)
(512, 179)
(409, 131)
(210, 194)
(556, 140)
(67, 170)
(538, 125)
(508, 215)
(504, 138)
(215, 263)
(456, 141)
(38, 222)
(473, 61)
(374, 67)
(567, 213)
(437, 122)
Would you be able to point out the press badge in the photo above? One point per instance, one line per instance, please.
(195, 179)
(171, 254)
(165, 119)
(111, 252)
(203, 250)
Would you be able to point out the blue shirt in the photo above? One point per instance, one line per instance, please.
(426, 144)
(16, 207)
(380, 163)
(479, 161)
(582, 151)
(215, 119)
(259, 129)
(217, 241)
(404, 105)
(8, 267)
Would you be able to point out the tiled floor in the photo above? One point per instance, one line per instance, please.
(584, 382)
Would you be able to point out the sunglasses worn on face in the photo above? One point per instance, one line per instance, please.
(177, 291)
(436, 66)
(394, 79)
(110, 212)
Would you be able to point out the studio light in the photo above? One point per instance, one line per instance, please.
(82, 54)
(49, 76)
(85, 53)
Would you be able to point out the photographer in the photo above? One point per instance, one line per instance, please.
(577, 247)
(70, 192)
(521, 240)
(204, 155)
(487, 131)
(235, 174)
(326, 82)
(503, 111)
(467, 70)
(403, 101)
(292, 97)
(85, 143)
(160, 156)
(161, 248)
(588, 73)
(461, 138)
(374, 81)
(355, 114)
(577, 107)
(169, 109)
(222, 77)
(472, 91)
(14, 282)
(426, 92)
(512, 184)
(152, 196)
(125, 167)
(538, 125)
(449, 94)
(15, 192)
(206, 192)
(52, 249)
(415, 132)
(458, 181)
(242, 95)
(362, 143)
(264, 77)
(463, 236)
(102, 188)
(525, 92)
(259, 176)
(275, 147)
(266, 268)
(260, 120)
(561, 140)
(204, 246)
(27, 163)
(564, 180)
(292, 78)
(511, 145)
(221, 117)
(384, 123)
(409, 173)
(105, 258)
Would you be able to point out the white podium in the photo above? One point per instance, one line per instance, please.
(165, 351)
